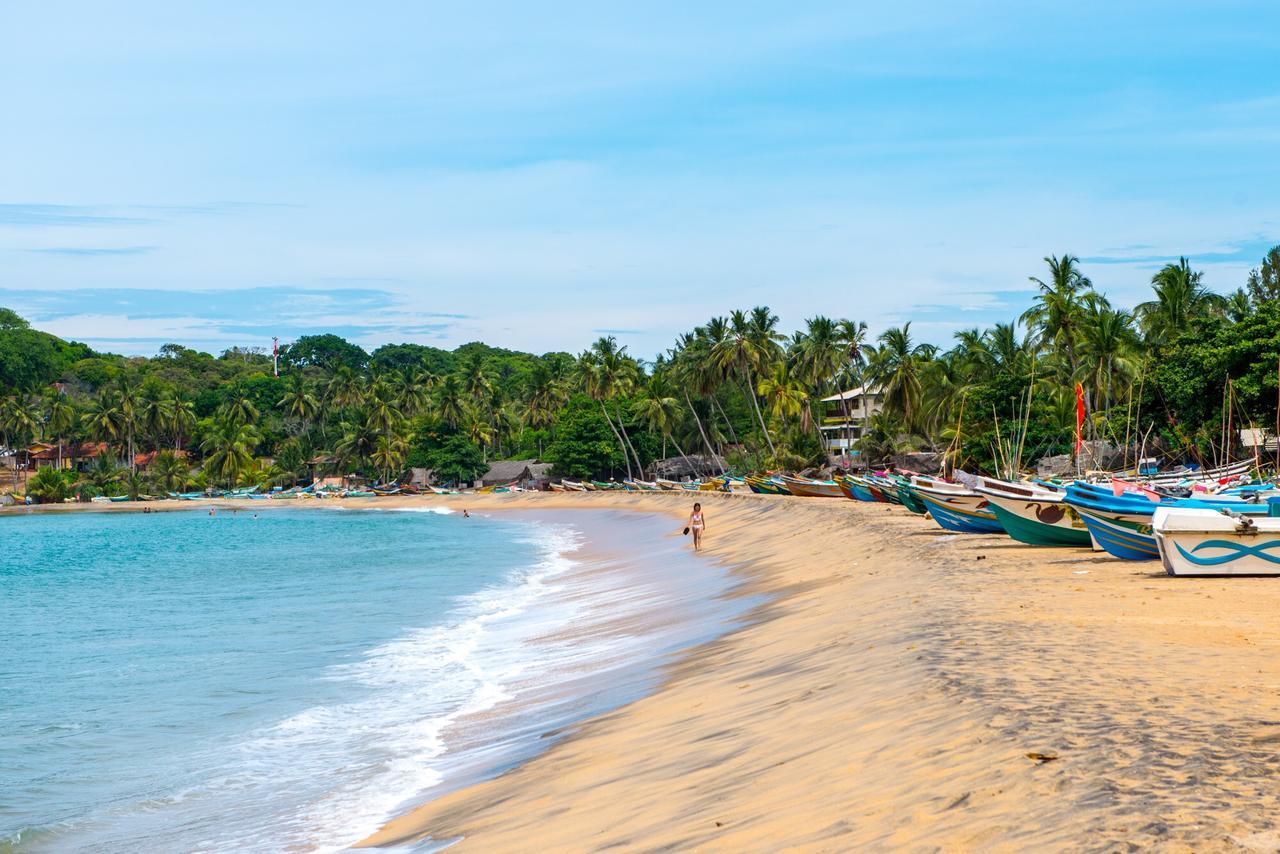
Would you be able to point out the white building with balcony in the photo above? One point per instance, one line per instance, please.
(844, 418)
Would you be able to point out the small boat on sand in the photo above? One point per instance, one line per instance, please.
(956, 507)
(1216, 542)
(812, 488)
(1033, 514)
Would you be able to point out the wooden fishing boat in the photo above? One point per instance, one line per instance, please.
(573, 486)
(812, 488)
(955, 507)
(1210, 542)
(1034, 515)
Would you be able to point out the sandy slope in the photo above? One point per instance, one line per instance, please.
(888, 696)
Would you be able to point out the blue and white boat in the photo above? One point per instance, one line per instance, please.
(1196, 541)
(1121, 524)
(956, 507)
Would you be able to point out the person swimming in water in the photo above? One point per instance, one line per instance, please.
(697, 524)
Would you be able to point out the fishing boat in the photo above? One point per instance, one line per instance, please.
(1033, 514)
(643, 485)
(1211, 542)
(573, 486)
(956, 507)
(812, 488)
(884, 487)
(763, 486)
(853, 487)
(1121, 524)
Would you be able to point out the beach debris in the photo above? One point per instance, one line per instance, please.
(1042, 758)
(980, 557)
(1082, 572)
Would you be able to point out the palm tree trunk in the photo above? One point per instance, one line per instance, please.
(698, 421)
(751, 393)
(733, 434)
(617, 436)
(627, 438)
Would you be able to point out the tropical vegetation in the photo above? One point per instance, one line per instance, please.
(735, 392)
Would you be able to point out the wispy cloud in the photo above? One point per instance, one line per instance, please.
(136, 320)
(37, 215)
(1250, 251)
(93, 251)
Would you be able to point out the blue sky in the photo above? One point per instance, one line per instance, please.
(530, 175)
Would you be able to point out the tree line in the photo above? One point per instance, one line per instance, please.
(732, 393)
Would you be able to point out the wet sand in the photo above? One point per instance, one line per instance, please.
(888, 696)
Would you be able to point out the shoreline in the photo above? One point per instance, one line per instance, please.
(887, 695)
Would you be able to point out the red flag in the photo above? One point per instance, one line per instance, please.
(1079, 417)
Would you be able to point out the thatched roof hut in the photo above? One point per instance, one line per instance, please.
(695, 465)
(521, 472)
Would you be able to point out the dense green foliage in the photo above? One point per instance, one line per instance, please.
(1175, 371)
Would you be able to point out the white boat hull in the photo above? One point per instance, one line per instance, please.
(1206, 542)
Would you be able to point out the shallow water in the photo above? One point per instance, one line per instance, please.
(289, 680)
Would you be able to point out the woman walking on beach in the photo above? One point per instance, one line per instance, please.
(697, 524)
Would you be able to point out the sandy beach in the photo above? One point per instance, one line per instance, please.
(889, 694)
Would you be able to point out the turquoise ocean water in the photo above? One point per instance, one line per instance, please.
(288, 680)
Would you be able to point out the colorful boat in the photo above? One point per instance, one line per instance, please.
(854, 488)
(812, 488)
(1034, 515)
(1121, 524)
(1209, 542)
(955, 507)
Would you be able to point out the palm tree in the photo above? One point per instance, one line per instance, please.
(475, 380)
(544, 395)
(786, 396)
(299, 401)
(128, 402)
(389, 454)
(896, 367)
(413, 387)
(169, 471)
(660, 412)
(479, 430)
(103, 419)
(103, 474)
(182, 418)
(747, 350)
(688, 369)
(1109, 349)
(450, 405)
(60, 417)
(228, 446)
(1180, 299)
(1060, 306)
(239, 408)
(711, 376)
(19, 425)
(359, 441)
(344, 388)
(48, 486)
(607, 374)
(155, 414)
